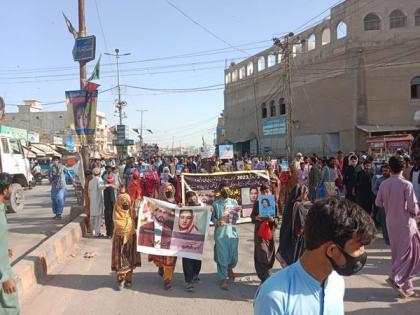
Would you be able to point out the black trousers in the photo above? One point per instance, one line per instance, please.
(191, 268)
(109, 223)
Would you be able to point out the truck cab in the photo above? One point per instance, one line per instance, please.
(14, 162)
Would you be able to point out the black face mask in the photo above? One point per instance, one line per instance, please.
(168, 194)
(126, 206)
(224, 194)
(352, 266)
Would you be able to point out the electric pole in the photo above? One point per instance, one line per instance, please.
(141, 125)
(82, 71)
(120, 104)
(286, 48)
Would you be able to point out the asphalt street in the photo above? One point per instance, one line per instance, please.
(84, 285)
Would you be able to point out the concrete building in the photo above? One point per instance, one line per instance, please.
(355, 75)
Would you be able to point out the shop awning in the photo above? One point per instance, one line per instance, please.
(46, 148)
(38, 152)
(244, 138)
(386, 128)
(63, 151)
(28, 153)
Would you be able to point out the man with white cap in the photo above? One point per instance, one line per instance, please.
(96, 188)
(298, 159)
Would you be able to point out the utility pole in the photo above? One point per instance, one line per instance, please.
(141, 125)
(286, 48)
(82, 71)
(120, 104)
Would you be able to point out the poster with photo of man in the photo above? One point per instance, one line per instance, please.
(168, 230)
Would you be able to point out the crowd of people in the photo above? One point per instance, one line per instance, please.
(327, 208)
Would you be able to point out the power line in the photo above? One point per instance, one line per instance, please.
(205, 28)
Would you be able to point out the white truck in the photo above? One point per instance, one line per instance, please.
(14, 162)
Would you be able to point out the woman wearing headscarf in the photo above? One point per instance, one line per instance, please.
(125, 257)
(264, 249)
(135, 190)
(166, 264)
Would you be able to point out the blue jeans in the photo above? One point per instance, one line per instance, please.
(58, 197)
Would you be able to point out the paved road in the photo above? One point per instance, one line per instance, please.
(35, 223)
(87, 286)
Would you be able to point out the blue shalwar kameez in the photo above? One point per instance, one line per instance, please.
(225, 238)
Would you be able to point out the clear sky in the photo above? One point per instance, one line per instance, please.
(36, 54)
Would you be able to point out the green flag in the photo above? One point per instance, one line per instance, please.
(95, 73)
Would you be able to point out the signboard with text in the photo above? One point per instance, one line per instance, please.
(274, 127)
(84, 48)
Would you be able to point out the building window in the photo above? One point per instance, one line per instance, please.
(311, 42)
(241, 73)
(263, 111)
(235, 76)
(271, 61)
(341, 30)
(417, 17)
(397, 19)
(297, 50)
(280, 57)
(372, 22)
(250, 69)
(415, 88)
(282, 106)
(261, 63)
(272, 109)
(227, 78)
(326, 37)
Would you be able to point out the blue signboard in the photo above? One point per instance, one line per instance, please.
(84, 48)
(274, 127)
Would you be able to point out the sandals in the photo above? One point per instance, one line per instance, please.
(402, 294)
(224, 285)
(167, 285)
(231, 275)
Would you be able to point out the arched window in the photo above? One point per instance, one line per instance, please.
(272, 109)
(326, 36)
(282, 106)
(263, 110)
(341, 30)
(417, 17)
(372, 22)
(311, 42)
(241, 73)
(261, 63)
(297, 50)
(397, 19)
(235, 75)
(227, 78)
(415, 88)
(250, 69)
(271, 60)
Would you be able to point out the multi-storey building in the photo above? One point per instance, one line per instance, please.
(354, 75)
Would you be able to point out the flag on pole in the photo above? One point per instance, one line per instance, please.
(96, 70)
(70, 27)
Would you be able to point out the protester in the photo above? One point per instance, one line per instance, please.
(314, 178)
(166, 264)
(121, 169)
(9, 303)
(264, 249)
(96, 187)
(407, 167)
(110, 196)
(58, 187)
(414, 176)
(88, 176)
(363, 187)
(125, 257)
(191, 267)
(398, 198)
(328, 177)
(135, 190)
(302, 174)
(336, 232)
(225, 235)
(380, 213)
(350, 177)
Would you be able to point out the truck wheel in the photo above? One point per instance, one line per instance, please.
(17, 199)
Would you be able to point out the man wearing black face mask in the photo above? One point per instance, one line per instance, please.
(336, 232)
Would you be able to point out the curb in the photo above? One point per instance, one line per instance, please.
(37, 264)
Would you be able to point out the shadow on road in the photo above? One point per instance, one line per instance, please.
(406, 307)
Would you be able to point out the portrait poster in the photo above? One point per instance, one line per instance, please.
(168, 230)
(244, 187)
(81, 106)
(240, 165)
(226, 151)
(267, 206)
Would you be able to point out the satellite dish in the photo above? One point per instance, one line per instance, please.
(2, 108)
(417, 116)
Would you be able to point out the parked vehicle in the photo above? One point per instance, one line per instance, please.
(14, 162)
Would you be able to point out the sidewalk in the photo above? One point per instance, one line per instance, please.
(87, 286)
(34, 224)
